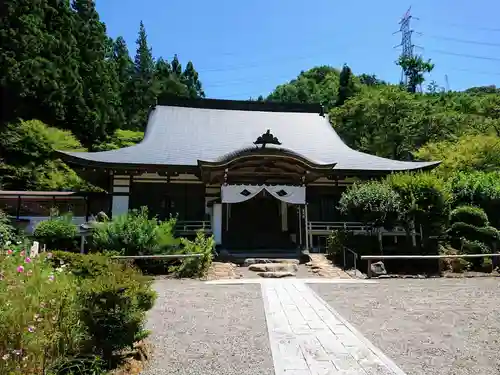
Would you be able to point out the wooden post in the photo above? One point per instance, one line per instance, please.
(369, 271)
(307, 227)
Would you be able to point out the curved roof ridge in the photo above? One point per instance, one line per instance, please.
(181, 135)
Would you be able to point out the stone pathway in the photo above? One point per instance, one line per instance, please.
(321, 266)
(308, 337)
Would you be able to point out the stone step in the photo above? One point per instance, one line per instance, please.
(276, 275)
(274, 267)
(250, 261)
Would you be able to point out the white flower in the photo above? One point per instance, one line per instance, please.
(5, 357)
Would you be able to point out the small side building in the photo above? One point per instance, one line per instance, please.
(256, 175)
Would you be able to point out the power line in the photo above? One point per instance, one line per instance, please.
(475, 71)
(465, 26)
(461, 40)
(465, 55)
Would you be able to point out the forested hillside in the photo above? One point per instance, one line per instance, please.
(59, 66)
(63, 78)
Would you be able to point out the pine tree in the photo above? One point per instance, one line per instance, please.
(167, 82)
(176, 67)
(99, 113)
(35, 41)
(346, 85)
(192, 82)
(124, 70)
(142, 90)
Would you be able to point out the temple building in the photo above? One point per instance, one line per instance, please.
(256, 175)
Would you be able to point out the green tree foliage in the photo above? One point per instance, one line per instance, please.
(425, 201)
(415, 68)
(100, 112)
(121, 138)
(192, 82)
(29, 159)
(38, 61)
(317, 85)
(370, 80)
(346, 85)
(481, 189)
(468, 153)
(142, 90)
(169, 83)
(373, 203)
(176, 67)
(390, 122)
(470, 232)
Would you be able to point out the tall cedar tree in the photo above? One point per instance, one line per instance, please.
(99, 114)
(124, 70)
(346, 85)
(38, 58)
(176, 67)
(142, 88)
(167, 82)
(192, 82)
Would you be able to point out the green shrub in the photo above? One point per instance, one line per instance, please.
(373, 203)
(113, 310)
(479, 189)
(195, 267)
(134, 234)
(60, 313)
(469, 215)
(335, 243)
(7, 231)
(474, 247)
(57, 233)
(85, 266)
(487, 235)
(425, 200)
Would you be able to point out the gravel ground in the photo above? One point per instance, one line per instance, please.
(428, 327)
(206, 329)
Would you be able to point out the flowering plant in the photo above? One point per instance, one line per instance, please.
(38, 313)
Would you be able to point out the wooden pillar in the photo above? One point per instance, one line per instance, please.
(300, 224)
(306, 227)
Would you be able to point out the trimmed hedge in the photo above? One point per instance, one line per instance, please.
(469, 214)
(57, 233)
(373, 203)
(489, 236)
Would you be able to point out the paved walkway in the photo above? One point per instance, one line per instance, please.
(308, 337)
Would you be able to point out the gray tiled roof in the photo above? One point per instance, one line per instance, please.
(183, 135)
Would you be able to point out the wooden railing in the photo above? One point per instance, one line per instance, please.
(371, 258)
(192, 226)
(326, 227)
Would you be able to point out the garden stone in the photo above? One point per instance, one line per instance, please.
(250, 261)
(378, 269)
(275, 275)
(274, 267)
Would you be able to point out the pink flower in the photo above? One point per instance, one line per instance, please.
(20, 269)
(9, 252)
(51, 278)
(28, 260)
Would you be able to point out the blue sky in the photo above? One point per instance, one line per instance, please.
(242, 49)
